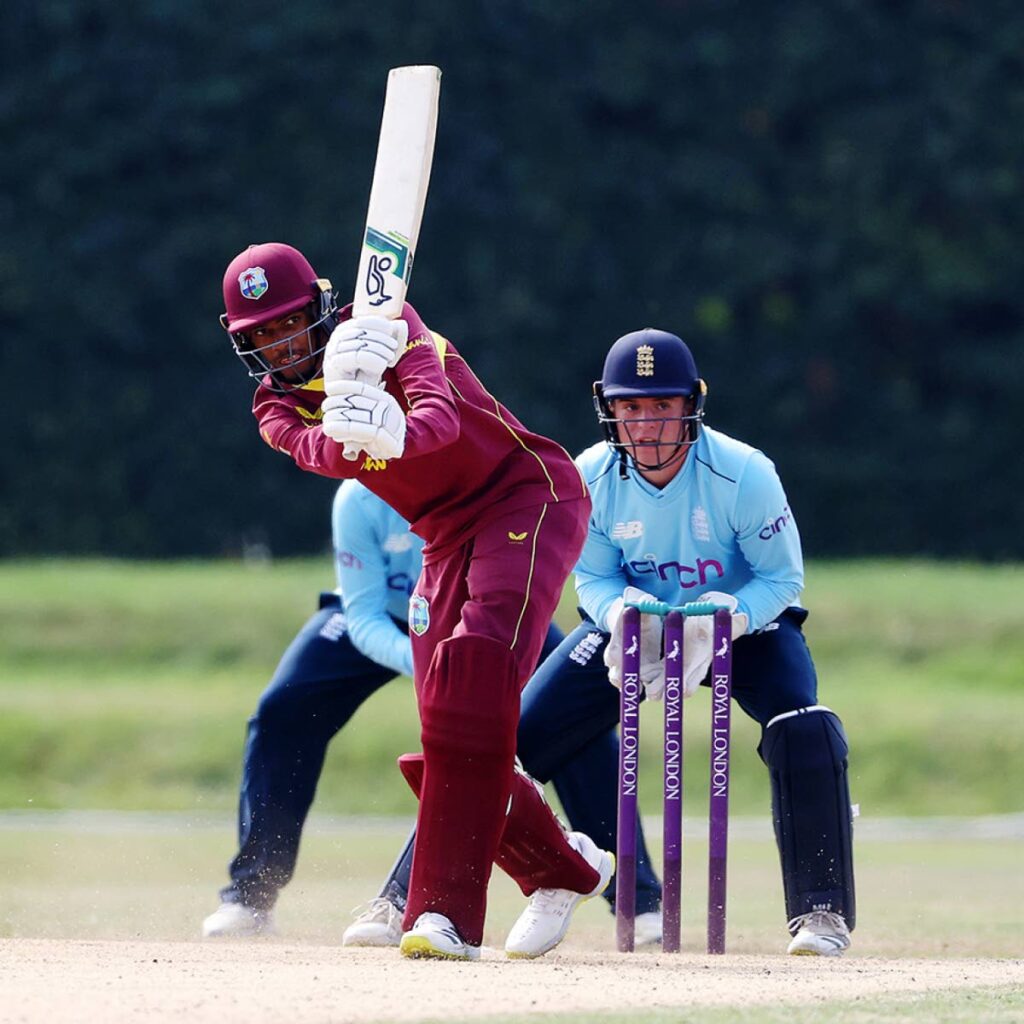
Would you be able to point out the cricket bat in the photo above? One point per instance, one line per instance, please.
(405, 152)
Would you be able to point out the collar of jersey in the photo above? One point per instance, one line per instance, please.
(679, 483)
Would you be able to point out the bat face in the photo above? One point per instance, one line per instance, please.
(389, 257)
(401, 175)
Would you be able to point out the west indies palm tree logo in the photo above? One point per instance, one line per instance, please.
(253, 282)
(419, 614)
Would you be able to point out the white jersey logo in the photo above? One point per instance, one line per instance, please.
(627, 531)
(586, 648)
(699, 524)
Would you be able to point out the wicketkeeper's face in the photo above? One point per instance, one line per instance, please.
(652, 428)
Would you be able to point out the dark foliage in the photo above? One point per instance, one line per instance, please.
(824, 199)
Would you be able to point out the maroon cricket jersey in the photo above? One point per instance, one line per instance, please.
(467, 459)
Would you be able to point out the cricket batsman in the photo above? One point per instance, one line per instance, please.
(503, 513)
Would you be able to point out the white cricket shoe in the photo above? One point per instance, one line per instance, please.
(647, 928)
(237, 921)
(543, 924)
(380, 924)
(819, 933)
(434, 937)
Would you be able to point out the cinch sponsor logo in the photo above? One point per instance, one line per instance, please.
(676, 570)
(776, 525)
(347, 560)
(402, 582)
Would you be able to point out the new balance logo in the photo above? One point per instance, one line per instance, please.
(628, 531)
(374, 464)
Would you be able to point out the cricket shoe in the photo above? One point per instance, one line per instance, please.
(434, 937)
(647, 928)
(543, 924)
(380, 924)
(237, 921)
(819, 933)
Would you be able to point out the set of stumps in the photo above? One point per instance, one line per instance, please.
(629, 764)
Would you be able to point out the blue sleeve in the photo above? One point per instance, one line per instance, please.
(362, 570)
(600, 578)
(768, 538)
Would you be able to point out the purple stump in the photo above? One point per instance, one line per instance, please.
(629, 774)
(718, 813)
(671, 900)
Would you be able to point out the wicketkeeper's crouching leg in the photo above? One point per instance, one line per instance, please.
(806, 751)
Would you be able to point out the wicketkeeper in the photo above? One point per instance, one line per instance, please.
(681, 513)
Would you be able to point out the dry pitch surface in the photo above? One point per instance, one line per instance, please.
(60, 980)
(98, 918)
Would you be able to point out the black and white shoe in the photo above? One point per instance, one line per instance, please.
(819, 933)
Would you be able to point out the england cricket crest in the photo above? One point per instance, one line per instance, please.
(645, 361)
(253, 282)
(419, 614)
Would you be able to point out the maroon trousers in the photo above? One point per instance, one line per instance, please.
(478, 620)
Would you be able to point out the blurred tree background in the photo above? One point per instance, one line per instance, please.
(824, 199)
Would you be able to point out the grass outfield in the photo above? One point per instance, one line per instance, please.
(127, 685)
(156, 880)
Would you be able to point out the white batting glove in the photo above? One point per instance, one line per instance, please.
(362, 349)
(651, 670)
(360, 416)
(699, 639)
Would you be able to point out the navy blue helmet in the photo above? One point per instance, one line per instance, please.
(650, 364)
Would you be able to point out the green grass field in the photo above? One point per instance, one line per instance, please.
(127, 685)
(157, 880)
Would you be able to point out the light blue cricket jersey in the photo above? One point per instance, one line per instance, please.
(377, 560)
(722, 524)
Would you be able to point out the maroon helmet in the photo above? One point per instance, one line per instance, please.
(266, 282)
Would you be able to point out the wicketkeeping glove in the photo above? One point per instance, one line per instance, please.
(361, 416)
(651, 666)
(699, 639)
(362, 349)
